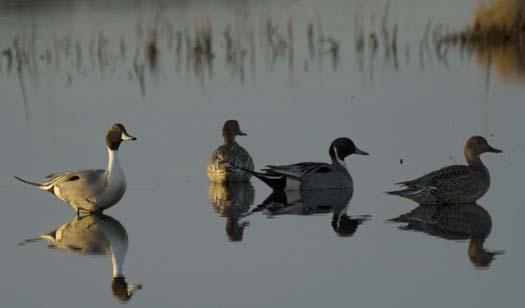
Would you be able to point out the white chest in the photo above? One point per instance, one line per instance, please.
(115, 184)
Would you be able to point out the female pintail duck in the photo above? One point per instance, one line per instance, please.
(453, 184)
(92, 190)
(232, 201)
(230, 153)
(312, 176)
(454, 222)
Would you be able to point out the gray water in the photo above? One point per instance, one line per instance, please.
(83, 65)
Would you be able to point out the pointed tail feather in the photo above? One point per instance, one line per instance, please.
(28, 241)
(275, 181)
(408, 192)
(497, 252)
(43, 186)
(276, 197)
(397, 192)
(403, 218)
(406, 183)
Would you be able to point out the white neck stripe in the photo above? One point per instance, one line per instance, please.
(115, 172)
(339, 161)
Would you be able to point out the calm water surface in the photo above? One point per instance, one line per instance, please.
(70, 68)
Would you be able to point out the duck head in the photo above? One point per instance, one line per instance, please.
(476, 146)
(115, 135)
(345, 226)
(343, 147)
(230, 130)
(479, 256)
(122, 290)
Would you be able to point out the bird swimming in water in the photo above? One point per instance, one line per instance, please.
(230, 154)
(453, 184)
(313, 176)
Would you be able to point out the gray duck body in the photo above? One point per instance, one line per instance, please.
(96, 235)
(314, 202)
(313, 175)
(91, 190)
(88, 190)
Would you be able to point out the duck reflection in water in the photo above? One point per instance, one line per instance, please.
(232, 200)
(311, 202)
(96, 235)
(455, 222)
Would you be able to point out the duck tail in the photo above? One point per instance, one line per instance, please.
(275, 181)
(44, 186)
(277, 196)
(407, 192)
(401, 218)
(397, 192)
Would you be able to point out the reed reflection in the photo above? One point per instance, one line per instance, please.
(92, 235)
(162, 43)
(496, 36)
(158, 45)
(455, 222)
(507, 60)
(232, 201)
(204, 48)
(313, 202)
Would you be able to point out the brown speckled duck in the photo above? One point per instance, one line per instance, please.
(453, 184)
(230, 154)
(455, 222)
(232, 201)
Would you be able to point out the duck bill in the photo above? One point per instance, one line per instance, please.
(360, 152)
(126, 137)
(241, 133)
(132, 287)
(494, 150)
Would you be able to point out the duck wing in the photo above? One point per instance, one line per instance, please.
(80, 187)
(455, 173)
(300, 170)
(232, 155)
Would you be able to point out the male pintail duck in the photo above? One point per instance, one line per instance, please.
(91, 235)
(230, 153)
(313, 176)
(314, 202)
(91, 190)
(453, 184)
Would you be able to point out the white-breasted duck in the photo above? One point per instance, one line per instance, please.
(92, 190)
(313, 175)
(91, 235)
